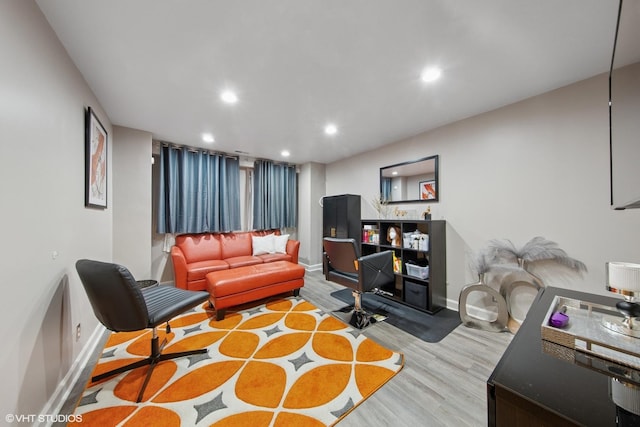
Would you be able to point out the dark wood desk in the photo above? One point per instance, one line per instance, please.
(531, 388)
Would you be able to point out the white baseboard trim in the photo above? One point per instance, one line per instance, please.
(472, 310)
(63, 390)
(312, 267)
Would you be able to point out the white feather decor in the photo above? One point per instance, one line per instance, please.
(536, 249)
(486, 259)
(479, 262)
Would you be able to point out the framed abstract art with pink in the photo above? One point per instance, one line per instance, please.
(95, 162)
(428, 190)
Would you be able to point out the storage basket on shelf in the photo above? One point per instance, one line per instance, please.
(417, 271)
(416, 240)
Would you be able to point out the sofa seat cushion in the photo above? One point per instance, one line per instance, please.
(275, 257)
(242, 261)
(245, 279)
(198, 270)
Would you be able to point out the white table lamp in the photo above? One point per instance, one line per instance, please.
(624, 278)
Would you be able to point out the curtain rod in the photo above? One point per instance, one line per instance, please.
(277, 162)
(196, 149)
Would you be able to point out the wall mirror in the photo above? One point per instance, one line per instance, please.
(410, 182)
(624, 109)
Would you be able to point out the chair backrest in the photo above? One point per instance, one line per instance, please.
(343, 254)
(376, 271)
(114, 295)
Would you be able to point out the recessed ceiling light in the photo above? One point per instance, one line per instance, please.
(330, 129)
(285, 153)
(207, 137)
(431, 74)
(229, 97)
(394, 173)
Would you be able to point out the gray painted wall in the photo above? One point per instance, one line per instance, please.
(132, 153)
(536, 168)
(46, 226)
(311, 187)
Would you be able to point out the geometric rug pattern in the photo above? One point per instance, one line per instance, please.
(282, 363)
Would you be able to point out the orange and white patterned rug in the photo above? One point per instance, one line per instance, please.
(283, 363)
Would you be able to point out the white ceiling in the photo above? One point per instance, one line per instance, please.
(159, 65)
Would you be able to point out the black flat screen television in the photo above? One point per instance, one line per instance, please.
(624, 108)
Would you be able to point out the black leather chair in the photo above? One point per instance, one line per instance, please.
(122, 305)
(343, 265)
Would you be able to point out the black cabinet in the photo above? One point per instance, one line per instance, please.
(420, 259)
(341, 216)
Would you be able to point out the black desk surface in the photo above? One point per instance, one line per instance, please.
(575, 392)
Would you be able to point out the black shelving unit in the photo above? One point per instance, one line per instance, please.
(424, 293)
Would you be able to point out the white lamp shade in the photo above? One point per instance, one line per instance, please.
(623, 278)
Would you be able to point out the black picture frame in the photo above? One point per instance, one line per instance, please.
(416, 172)
(96, 166)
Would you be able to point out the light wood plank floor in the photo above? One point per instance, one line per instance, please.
(441, 384)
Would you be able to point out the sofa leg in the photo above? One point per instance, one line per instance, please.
(296, 292)
(220, 314)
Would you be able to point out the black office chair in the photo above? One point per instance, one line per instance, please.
(122, 305)
(343, 265)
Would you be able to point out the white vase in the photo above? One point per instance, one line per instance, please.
(522, 283)
(497, 325)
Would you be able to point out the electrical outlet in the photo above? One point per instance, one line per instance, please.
(78, 332)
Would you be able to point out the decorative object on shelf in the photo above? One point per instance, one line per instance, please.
(624, 278)
(399, 213)
(393, 236)
(380, 206)
(481, 263)
(535, 250)
(397, 264)
(426, 215)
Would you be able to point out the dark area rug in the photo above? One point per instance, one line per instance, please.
(428, 327)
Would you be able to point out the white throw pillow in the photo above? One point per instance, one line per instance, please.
(263, 244)
(281, 243)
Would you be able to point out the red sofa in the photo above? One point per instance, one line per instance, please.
(196, 255)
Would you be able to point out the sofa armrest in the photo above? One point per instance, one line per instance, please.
(179, 267)
(293, 247)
